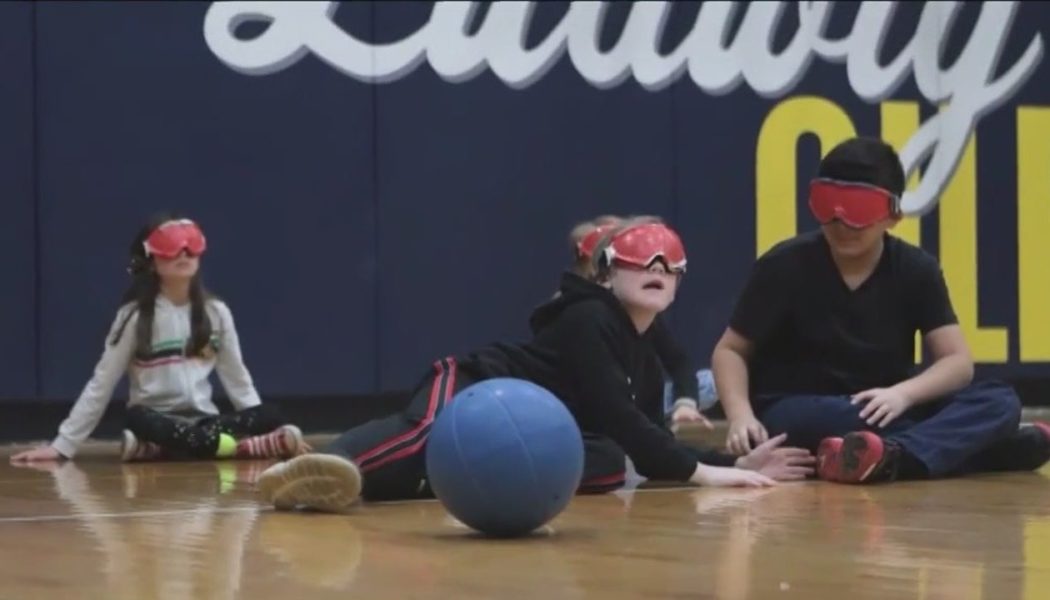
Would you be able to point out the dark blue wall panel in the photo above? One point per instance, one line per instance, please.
(18, 349)
(478, 187)
(140, 116)
(359, 229)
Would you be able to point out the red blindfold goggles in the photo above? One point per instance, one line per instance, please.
(589, 243)
(174, 237)
(857, 205)
(640, 246)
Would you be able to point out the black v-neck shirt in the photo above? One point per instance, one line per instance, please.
(813, 335)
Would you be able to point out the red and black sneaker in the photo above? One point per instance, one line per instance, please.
(1026, 449)
(1044, 428)
(1043, 456)
(859, 457)
(828, 458)
(1029, 447)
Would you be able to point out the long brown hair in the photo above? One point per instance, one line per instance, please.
(143, 290)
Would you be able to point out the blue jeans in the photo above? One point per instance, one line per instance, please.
(708, 395)
(946, 435)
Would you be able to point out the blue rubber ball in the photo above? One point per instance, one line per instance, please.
(505, 457)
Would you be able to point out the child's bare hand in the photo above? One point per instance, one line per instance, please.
(43, 453)
(883, 405)
(782, 464)
(688, 414)
(729, 477)
(742, 433)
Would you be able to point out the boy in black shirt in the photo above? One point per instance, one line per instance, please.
(822, 340)
(591, 349)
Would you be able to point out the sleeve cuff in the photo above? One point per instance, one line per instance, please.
(685, 402)
(65, 447)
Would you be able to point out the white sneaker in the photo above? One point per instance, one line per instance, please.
(132, 449)
(322, 482)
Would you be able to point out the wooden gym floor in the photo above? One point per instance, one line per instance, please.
(100, 529)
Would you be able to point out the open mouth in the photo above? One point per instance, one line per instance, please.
(655, 284)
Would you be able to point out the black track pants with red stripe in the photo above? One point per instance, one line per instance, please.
(391, 451)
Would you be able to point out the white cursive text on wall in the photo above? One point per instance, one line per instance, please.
(966, 90)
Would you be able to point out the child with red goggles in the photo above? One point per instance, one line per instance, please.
(579, 351)
(820, 345)
(175, 237)
(168, 337)
(857, 205)
(686, 394)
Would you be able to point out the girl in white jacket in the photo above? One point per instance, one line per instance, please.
(168, 337)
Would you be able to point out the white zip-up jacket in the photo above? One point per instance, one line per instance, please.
(165, 380)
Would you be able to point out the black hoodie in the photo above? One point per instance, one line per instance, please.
(587, 352)
(673, 358)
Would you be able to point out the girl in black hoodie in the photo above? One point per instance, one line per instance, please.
(682, 401)
(591, 348)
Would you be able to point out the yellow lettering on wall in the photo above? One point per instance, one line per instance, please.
(1033, 242)
(775, 163)
(958, 254)
(900, 120)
